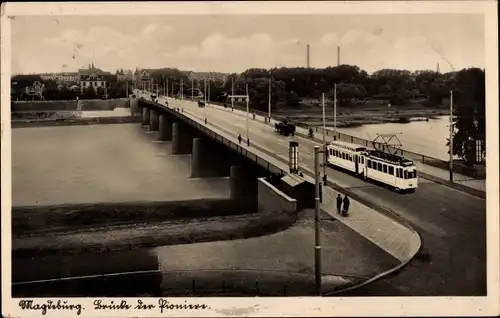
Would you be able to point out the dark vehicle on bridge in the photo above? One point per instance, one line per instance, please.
(201, 103)
(284, 128)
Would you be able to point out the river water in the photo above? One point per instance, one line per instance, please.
(101, 163)
(424, 137)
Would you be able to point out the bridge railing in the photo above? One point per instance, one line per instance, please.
(458, 167)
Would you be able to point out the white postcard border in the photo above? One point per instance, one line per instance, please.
(283, 306)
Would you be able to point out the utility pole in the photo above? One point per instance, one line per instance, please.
(335, 111)
(192, 90)
(167, 86)
(232, 92)
(451, 137)
(308, 56)
(317, 243)
(269, 106)
(338, 55)
(248, 111)
(324, 141)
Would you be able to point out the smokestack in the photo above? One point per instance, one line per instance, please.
(338, 55)
(308, 57)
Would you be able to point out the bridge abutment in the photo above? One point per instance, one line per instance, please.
(243, 185)
(165, 126)
(145, 116)
(153, 120)
(134, 106)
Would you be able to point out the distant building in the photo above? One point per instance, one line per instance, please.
(70, 77)
(142, 76)
(66, 77)
(93, 77)
(35, 89)
(120, 75)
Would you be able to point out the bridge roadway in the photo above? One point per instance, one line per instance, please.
(452, 224)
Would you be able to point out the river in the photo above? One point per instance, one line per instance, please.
(424, 137)
(101, 163)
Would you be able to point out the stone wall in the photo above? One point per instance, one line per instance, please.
(69, 105)
(272, 200)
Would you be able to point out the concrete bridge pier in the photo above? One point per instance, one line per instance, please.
(200, 166)
(181, 141)
(165, 128)
(145, 116)
(153, 120)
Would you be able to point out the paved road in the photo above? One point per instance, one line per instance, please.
(452, 224)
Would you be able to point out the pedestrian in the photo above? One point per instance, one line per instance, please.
(239, 138)
(346, 206)
(339, 204)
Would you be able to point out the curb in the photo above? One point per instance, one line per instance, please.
(383, 274)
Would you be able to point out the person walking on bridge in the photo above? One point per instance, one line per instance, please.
(339, 204)
(239, 138)
(346, 206)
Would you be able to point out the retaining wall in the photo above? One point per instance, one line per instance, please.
(272, 200)
(61, 105)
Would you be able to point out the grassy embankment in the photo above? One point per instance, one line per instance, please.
(66, 228)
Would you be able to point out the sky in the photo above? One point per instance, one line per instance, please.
(231, 43)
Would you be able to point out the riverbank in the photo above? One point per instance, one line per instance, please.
(362, 115)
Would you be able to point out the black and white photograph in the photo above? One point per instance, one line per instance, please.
(240, 159)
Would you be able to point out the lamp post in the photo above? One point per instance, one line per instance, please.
(232, 92)
(192, 90)
(324, 141)
(335, 111)
(451, 137)
(317, 243)
(248, 110)
(269, 106)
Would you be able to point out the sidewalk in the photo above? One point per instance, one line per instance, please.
(396, 239)
(476, 184)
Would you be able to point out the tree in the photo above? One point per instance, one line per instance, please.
(51, 92)
(469, 113)
(401, 97)
(347, 93)
(89, 93)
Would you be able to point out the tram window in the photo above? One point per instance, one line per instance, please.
(350, 158)
(391, 170)
(385, 168)
(379, 166)
(343, 155)
(406, 174)
(400, 173)
(369, 163)
(362, 160)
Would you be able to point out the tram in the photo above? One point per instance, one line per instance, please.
(393, 170)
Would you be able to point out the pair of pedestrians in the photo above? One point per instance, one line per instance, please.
(343, 205)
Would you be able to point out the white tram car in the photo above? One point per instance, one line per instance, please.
(392, 170)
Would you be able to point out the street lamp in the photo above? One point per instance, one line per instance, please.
(335, 111)
(232, 93)
(324, 141)
(317, 243)
(248, 110)
(451, 137)
(269, 106)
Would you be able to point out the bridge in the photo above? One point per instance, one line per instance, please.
(444, 214)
